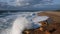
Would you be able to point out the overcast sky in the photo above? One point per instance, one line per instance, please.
(29, 4)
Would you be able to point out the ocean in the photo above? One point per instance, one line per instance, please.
(7, 17)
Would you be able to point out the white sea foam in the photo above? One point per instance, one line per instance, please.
(23, 21)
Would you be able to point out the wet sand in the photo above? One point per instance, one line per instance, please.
(54, 15)
(53, 28)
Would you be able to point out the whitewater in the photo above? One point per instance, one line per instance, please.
(15, 23)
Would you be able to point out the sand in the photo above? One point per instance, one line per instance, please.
(53, 28)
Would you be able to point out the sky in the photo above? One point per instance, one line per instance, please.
(33, 4)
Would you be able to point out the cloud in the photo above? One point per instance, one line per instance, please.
(22, 2)
(31, 4)
(26, 2)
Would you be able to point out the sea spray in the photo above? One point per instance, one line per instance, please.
(18, 25)
(21, 23)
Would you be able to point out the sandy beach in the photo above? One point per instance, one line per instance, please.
(52, 28)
